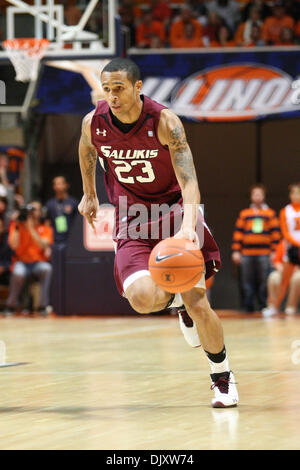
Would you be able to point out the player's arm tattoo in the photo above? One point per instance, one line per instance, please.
(181, 155)
(91, 160)
(89, 154)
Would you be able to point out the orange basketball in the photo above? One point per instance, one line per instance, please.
(176, 264)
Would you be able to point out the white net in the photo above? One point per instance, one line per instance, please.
(25, 55)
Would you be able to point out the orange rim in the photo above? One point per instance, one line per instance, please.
(26, 43)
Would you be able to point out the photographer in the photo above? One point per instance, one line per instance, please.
(31, 242)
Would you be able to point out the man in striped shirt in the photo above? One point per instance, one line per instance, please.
(255, 237)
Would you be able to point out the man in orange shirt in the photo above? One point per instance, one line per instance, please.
(177, 28)
(255, 237)
(148, 29)
(189, 39)
(273, 24)
(31, 241)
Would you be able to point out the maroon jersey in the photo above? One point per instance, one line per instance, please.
(139, 167)
(136, 164)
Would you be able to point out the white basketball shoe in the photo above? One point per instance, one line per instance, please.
(224, 386)
(187, 326)
(269, 311)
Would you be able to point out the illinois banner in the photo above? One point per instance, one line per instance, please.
(224, 86)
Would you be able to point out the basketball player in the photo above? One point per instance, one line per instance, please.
(124, 122)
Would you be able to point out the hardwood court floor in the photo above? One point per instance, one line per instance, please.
(133, 383)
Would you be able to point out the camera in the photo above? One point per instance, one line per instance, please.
(24, 213)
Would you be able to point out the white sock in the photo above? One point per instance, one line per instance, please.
(218, 367)
(177, 302)
(218, 361)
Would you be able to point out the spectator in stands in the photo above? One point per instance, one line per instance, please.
(274, 24)
(16, 163)
(255, 238)
(156, 43)
(161, 11)
(72, 12)
(199, 10)
(189, 39)
(129, 13)
(61, 210)
(210, 30)
(229, 10)
(275, 280)
(255, 37)
(286, 37)
(261, 5)
(223, 38)
(243, 33)
(147, 29)
(5, 255)
(31, 242)
(177, 27)
(290, 227)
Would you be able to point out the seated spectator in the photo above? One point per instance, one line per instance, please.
(290, 228)
(189, 39)
(129, 13)
(16, 163)
(5, 255)
(255, 37)
(177, 27)
(161, 11)
(243, 33)
(156, 43)
(147, 29)
(72, 12)
(275, 280)
(262, 7)
(211, 29)
(31, 242)
(223, 38)
(286, 37)
(199, 10)
(61, 210)
(228, 10)
(274, 24)
(255, 237)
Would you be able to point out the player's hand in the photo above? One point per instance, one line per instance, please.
(236, 257)
(88, 207)
(189, 234)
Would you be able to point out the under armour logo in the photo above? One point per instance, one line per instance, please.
(101, 132)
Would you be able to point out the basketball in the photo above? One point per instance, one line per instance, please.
(176, 265)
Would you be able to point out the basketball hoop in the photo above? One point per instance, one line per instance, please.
(25, 55)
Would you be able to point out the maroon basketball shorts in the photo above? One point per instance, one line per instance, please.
(132, 256)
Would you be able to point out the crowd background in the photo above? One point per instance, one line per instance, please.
(193, 23)
(30, 234)
(211, 23)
